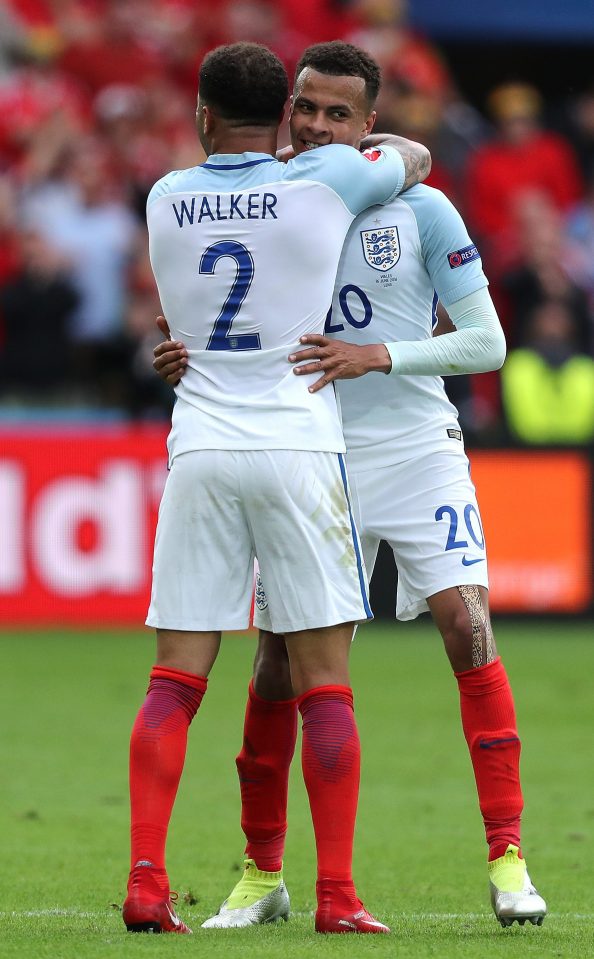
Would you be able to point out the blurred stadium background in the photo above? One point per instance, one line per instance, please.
(97, 101)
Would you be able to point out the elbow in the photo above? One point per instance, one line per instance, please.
(494, 352)
(420, 162)
(499, 351)
(425, 161)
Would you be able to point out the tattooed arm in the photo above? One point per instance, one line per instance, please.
(417, 159)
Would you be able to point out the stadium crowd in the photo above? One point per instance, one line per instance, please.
(96, 101)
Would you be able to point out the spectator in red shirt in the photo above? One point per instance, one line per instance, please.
(522, 158)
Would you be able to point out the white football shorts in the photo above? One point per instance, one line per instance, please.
(290, 509)
(426, 509)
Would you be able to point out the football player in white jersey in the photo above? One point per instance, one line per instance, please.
(410, 481)
(256, 463)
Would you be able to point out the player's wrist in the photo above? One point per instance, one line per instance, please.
(379, 358)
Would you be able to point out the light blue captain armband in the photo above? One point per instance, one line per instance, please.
(477, 345)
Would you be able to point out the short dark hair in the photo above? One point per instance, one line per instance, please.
(245, 83)
(340, 59)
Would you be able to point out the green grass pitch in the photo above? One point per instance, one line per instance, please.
(67, 704)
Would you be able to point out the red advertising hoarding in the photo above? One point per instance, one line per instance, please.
(536, 509)
(77, 523)
(78, 510)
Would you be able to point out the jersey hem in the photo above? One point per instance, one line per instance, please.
(156, 622)
(315, 622)
(417, 606)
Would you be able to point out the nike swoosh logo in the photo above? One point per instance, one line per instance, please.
(471, 562)
(489, 743)
(370, 923)
(175, 919)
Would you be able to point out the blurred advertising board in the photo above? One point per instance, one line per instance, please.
(77, 521)
(78, 510)
(537, 514)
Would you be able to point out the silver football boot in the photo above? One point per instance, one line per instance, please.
(513, 896)
(259, 897)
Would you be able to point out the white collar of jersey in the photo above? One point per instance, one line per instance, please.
(236, 161)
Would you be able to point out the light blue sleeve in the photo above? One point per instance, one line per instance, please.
(452, 260)
(477, 345)
(359, 181)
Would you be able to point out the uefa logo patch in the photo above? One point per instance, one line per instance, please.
(459, 257)
(381, 248)
(261, 600)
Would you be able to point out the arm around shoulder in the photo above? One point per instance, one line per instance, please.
(416, 157)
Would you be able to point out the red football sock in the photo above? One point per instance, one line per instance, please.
(331, 758)
(157, 754)
(269, 737)
(489, 723)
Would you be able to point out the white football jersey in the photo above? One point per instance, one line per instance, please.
(398, 260)
(245, 252)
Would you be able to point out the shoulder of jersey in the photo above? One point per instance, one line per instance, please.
(320, 156)
(424, 190)
(176, 180)
(426, 201)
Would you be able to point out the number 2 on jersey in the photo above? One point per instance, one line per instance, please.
(221, 337)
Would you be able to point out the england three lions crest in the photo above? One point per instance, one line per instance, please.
(260, 593)
(381, 248)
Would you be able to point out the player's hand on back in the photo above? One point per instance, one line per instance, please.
(338, 360)
(171, 357)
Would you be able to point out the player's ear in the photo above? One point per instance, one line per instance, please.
(203, 117)
(206, 120)
(370, 123)
(205, 123)
(290, 104)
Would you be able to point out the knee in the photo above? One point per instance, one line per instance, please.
(458, 626)
(460, 639)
